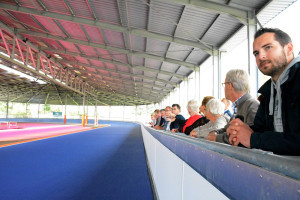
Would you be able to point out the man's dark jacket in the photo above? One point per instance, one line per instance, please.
(264, 136)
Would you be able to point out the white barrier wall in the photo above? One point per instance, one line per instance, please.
(173, 178)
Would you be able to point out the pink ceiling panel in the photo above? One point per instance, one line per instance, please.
(97, 63)
(69, 46)
(5, 18)
(104, 54)
(120, 57)
(123, 69)
(115, 74)
(91, 70)
(52, 43)
(51, 27)
(57, 6)
(111, 66)
(88, 50)
(106, 10)
(67, 57)
(34, 40)
(125, 77)
(74, 30)
(102, 72)
(82, 60)
(28, 21)
(94, 33)
(30, 4)
(81, 9)
(114, 38)
(108, 79)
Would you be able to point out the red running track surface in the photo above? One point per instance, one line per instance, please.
(34, 131)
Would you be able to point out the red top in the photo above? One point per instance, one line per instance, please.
(191, 120)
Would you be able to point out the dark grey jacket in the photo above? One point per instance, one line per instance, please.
(246, 106)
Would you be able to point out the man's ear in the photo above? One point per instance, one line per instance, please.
(289, 49)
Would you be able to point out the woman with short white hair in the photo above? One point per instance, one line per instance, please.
(214, 111)
(195, 119)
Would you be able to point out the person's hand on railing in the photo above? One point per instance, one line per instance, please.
(174, 130)
(212, 136)
(171, 118)
(193, 134)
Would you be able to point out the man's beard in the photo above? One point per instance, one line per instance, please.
(278, 65)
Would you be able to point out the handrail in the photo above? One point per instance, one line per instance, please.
(284, 165)
(258, 174)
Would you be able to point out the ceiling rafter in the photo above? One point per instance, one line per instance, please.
(117, 28)
(181, 77)
(9, 30)
(215, 7)
(101, 59)
(110, 48)
(127, 80)
(110, 70)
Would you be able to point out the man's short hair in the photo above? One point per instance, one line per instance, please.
(161, 110)
(239, 80)
(282, 37)
(193, 105)
(176, 105)
(206, 99)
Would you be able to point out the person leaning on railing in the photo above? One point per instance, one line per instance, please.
(214, 111)
(236, 88)
(277, 122)
(196, 119)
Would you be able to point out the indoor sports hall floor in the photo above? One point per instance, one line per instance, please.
(101, 163)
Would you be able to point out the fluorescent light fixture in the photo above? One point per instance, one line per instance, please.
(13, 71)
(57, 56)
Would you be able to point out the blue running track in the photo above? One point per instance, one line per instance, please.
(105, 163)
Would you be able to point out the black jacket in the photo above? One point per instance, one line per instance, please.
(264, 136)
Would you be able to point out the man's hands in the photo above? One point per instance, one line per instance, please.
(239, 132)
(212, 136)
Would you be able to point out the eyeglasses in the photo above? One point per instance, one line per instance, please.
(223, 84)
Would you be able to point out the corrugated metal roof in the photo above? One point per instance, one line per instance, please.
(129, 52)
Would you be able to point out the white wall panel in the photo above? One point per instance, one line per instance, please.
(196, 187)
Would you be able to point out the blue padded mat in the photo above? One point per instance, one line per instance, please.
(105, 163)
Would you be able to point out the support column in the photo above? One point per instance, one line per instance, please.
(199, 91)
(252, 68)
(123, 113)
(87, 111)
(26, 110)
(108, 112)
(65, 117)
(197, 84)
(216, 90)
(135, 113)
(7, 105)
(39, 111)
(83, 108)
(96, 114)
